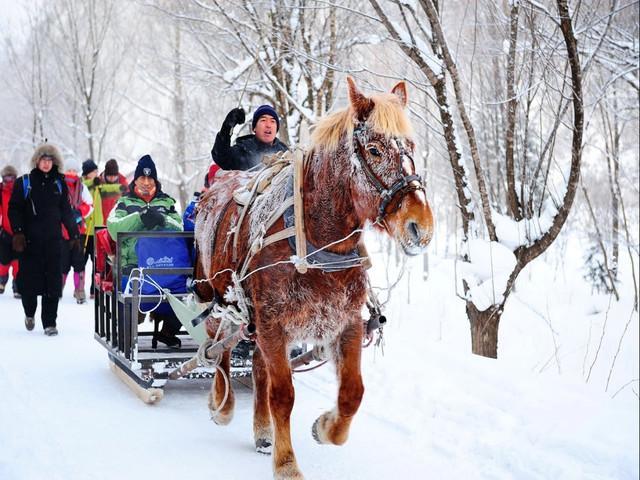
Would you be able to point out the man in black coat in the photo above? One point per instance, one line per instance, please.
(248, 149)
(38, 207)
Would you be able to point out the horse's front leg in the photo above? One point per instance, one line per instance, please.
(221, 397)
(333, 426)
(281, 398)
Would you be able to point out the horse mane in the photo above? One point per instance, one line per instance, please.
(387, 117)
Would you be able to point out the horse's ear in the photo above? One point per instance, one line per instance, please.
(400, 91)
(362, 105)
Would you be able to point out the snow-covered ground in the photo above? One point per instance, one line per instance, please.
(431, 409)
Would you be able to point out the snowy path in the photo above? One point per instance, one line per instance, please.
(428, 412)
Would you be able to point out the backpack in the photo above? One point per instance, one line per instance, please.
(162, 252)
(26, 185)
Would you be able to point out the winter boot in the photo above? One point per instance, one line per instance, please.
(50, 331)
(29, 322)
(3, 281)
(14, 286)
(78, 283)
(170, 328)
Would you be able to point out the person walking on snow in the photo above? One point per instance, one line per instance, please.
(112, 186)
(73, 255)
(248, 149)
(39, 204)
(91, 181)
(106, 189)
(8, 258)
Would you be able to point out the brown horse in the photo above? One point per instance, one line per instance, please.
(359, 170)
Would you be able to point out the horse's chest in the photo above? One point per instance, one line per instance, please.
(315, 312)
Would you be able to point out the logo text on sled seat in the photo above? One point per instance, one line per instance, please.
(160, 262)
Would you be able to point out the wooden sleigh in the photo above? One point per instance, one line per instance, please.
(132, 357)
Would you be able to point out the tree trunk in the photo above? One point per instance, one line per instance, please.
(512, 104)
(179, 133)
(484, 330)
(615, 208)
(89, 123)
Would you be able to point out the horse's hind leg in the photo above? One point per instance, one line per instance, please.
(262, 431)
(221, 413)
(333, 426)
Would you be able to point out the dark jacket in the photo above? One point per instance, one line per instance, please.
(245, 154)
(39, 217)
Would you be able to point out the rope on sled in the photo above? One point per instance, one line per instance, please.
(138, 274)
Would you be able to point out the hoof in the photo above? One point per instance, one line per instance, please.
(264, 446)
(288, 471)
(327, 431)
(221, 417)
(314, 430)
(319, 429)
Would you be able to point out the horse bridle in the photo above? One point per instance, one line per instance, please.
(405, 183)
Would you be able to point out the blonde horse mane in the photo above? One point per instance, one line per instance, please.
(387, 117)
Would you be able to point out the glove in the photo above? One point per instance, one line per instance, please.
(234, 117)
(152, 218)
(123, 189)
(96, 181)
(77, 216)
(19, 243)
(74, 244)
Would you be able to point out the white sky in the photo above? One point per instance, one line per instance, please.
(12, 14)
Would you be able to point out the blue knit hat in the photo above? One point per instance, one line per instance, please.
(88, 166)
(146, 168)
(265, 110)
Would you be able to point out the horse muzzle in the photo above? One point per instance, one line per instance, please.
(415, 238)
(412, 224)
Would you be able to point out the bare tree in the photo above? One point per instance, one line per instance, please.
(438, 65)
(282, 53)
(30, 64)
(80, 38)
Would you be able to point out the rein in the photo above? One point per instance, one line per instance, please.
(405, 183)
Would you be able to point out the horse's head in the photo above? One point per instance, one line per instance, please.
(388, 190)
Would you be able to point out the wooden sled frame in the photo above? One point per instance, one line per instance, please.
(143, 369)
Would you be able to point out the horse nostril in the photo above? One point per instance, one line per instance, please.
(414, 231)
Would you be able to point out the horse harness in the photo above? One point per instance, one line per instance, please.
(292, 208)
(291, 211)
(405, 183)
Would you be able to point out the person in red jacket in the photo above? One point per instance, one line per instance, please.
(8, 258)
(111, 176)
(72, 251)
(106, 189)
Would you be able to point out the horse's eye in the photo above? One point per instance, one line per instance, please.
(374, 151)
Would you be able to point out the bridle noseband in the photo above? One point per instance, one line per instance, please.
(405, 183)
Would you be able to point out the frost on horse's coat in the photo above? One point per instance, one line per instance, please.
(356, 154)
(210, 208)
(267, 202)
